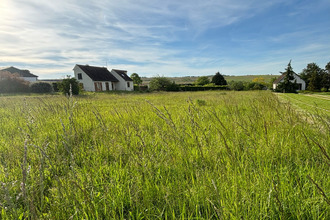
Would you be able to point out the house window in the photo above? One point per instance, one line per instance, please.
(128, 84)
(79, 76)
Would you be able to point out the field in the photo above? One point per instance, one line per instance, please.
(315, 104)
(199, 155)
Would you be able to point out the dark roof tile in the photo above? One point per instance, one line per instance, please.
(98, 73)
(22, 73)
(123, 74)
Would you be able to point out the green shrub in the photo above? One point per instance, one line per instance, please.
(69, 86)
(11, 83)
(55, 87)
(236, 85)
(41, 87)
(159, 83)
(173, 87)
(202, 88)
(203, 80)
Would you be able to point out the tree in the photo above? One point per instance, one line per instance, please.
(326, 78)
(69, 86)
(136, 79)
(159, 83)
(287, 85)
(312, 75)
(203, 80)
(259, 80)
(12, 83)
(219, 80)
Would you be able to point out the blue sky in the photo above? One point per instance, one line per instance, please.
(164, 37)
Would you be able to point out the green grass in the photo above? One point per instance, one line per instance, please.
(312, 103)
(200, 155)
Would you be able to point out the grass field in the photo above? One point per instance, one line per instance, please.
(200, 155)
(312, 103)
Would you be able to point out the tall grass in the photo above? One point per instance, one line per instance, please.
(202, 155)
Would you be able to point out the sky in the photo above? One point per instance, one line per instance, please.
(164, 37)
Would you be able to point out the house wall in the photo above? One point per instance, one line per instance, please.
(122, 84)
(30, 79)
(104, 87)
(86, 80)
(297, 79)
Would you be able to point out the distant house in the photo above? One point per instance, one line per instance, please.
(92, 78)
(24, 74)
(301, 83)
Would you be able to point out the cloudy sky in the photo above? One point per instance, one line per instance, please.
(164, 37)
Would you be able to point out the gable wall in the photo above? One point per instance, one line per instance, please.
(86, 80)
(297, 79)
(122, 84)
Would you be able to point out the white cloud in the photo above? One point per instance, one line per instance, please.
(130, 34)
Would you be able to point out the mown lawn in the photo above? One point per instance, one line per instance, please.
(312, 103)
(187, 155)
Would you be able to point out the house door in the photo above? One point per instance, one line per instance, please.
(98, 86)
(107, 86)
(113, 86)
(299, 86)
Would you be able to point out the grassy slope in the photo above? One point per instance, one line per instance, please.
(162, 155)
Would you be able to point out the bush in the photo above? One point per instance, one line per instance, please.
(159, 84)
(202, 88)
(255, 86)
(55, 87)
(41, 87)
(203, 80)
(67, 84)
(11, 83)
(173, 87)
(236, 85)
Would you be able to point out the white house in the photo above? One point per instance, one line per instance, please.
(92, 78)
(301, 83)
(125, 82)
(24, 74)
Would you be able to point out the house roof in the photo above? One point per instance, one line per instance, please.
(279, 79)
(123, 74)
(282, 77)
(98, 73)
(22, 73)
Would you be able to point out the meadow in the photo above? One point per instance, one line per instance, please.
(185, 155)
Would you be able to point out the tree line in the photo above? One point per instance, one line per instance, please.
(316, 78)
